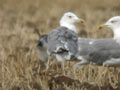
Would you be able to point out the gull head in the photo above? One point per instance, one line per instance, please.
(69, 19)
(113, 23)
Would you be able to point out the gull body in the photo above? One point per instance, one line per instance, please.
(62, 43)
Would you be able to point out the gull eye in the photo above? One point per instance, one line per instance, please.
(113, 21)
(70, 16)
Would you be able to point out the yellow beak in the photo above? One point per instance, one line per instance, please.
(101, 26)
(81, 21)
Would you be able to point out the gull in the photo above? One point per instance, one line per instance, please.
(104, 51)
(63, 41)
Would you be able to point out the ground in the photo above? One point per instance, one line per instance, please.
(21, 24)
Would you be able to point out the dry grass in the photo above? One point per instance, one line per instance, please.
(21, 24)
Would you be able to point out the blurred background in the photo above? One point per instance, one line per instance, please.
(22, 22)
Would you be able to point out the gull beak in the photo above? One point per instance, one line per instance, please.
(81, 21)
(101, 26)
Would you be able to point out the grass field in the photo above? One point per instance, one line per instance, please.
(21, 24)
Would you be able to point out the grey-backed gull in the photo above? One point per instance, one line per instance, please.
(62, 41)
(104, 51)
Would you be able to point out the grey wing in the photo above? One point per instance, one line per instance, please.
(105, 44)
(62, 38)
(84, 46)
(99, 57)
(104, 50)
